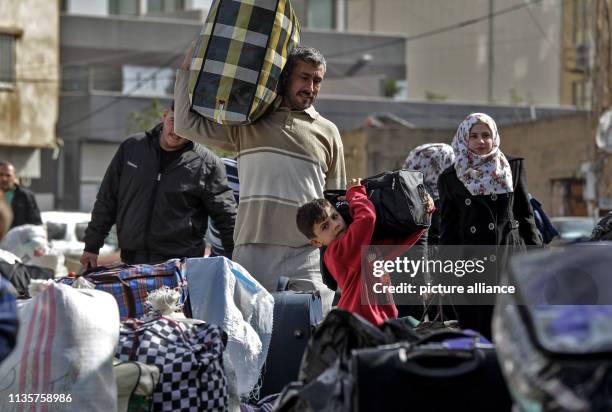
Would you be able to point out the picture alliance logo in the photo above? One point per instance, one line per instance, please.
(413, 267)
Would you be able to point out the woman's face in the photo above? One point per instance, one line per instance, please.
(480, 140)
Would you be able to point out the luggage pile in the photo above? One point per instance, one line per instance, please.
(244, 344)
(352, 365)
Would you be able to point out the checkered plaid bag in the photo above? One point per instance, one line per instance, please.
(189, 358)
(130, 284)
(239, 57)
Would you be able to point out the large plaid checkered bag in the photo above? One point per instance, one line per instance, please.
(239, 57)
(189, 358)
(130, 284)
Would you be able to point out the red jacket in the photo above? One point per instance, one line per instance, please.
(343, 260)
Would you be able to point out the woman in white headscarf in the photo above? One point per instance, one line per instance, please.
(484, 201)
(431, 159)
(483, 196)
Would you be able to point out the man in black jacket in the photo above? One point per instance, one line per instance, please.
(160, 189)
(22, 201)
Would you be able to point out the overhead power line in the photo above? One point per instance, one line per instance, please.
(429, 33)
(433, 32)
(116, 100)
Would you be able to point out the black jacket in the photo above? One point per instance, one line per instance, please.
(505, 219)
(164, 214)
(25, 209)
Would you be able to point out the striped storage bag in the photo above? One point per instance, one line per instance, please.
(131, 284)
(239, 58)
(63, 360)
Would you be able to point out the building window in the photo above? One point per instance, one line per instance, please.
(148, 81)
(320, 14)
(162, 6)
(7, 59)
(124, 7)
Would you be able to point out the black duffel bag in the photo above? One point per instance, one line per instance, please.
(400, 200)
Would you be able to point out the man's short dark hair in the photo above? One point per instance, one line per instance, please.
(302, 53)
(4, 163)
(310, 214)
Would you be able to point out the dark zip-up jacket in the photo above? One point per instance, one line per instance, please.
(25, 209)
(162, 213)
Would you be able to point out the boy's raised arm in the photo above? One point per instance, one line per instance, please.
(359, 232)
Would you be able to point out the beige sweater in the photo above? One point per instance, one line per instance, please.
(285, 159)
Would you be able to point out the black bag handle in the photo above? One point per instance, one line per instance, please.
(90, 270)
(444, 334)
(470, 364)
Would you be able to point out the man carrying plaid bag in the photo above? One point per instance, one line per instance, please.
(286, 158)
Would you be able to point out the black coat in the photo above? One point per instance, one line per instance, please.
(505, 219)
(25, 208)
(162, 213)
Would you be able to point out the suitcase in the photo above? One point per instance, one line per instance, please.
(239, 58)
(296, 316)
(130, 284)
(443, 372)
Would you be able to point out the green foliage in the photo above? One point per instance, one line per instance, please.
(435, 97)
(390, 88)
(149, 116)
(145, 119)
(515, 98)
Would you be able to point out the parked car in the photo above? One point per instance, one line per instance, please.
(573, 228)
(66, 231)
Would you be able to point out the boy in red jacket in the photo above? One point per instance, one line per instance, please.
(321, 223)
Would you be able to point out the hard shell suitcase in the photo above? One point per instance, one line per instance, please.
(296, 316)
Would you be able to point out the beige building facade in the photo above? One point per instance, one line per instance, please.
(515, 57)
(29, 81)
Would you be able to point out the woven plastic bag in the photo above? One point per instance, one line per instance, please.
(239, 58)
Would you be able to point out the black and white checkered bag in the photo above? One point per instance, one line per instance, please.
(189, 357)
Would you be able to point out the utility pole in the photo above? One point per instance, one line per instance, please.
(491, 65)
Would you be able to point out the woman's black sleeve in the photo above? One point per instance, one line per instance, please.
(524, 212)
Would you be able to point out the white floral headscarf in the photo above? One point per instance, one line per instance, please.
(481, 175)
(431, 159)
